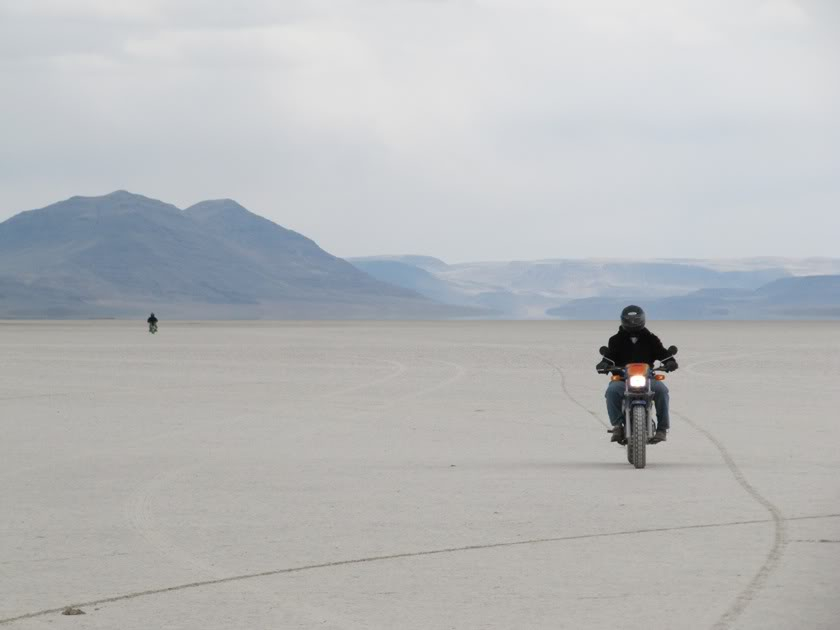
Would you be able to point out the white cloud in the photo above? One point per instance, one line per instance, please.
(411, 115)
(785, 13)
(121, 10)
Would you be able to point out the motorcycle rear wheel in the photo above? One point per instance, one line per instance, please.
(637, 445)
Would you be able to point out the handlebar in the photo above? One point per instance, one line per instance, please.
(658, 368)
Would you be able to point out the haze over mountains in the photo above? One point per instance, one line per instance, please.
(759, 288)
(122, 255)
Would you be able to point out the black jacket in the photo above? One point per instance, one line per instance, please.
(646, 349)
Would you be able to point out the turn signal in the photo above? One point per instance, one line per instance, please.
(659, 377)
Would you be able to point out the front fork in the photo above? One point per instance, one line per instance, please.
(643, 400)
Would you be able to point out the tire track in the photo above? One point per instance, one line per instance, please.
(780, 537)
(725, 621)
(779, 532)
(566, 391)
(776, 518)
(394, 556)
(139, 514)
(138, 510)
(401, 368)
(460, 372)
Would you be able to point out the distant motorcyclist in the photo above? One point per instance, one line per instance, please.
(152, 321)
(634, 343)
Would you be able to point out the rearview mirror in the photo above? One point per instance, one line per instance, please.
(604, 351)
(672, 350)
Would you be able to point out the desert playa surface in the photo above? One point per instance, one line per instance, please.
(412, 476)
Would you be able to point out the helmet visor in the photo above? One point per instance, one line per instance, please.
(632, 321)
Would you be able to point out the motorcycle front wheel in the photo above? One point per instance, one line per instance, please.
(637, 444)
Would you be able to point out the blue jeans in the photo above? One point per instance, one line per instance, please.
(615, 396)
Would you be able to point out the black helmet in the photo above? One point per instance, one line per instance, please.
(633, 318)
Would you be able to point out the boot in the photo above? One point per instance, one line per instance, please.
(660, 436)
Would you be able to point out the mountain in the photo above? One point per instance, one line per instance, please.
(412, 277)
(586, 288)
(805, 297)
(123, 254)
(810, 290)
(307, 269)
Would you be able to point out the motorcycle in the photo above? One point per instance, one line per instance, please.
(153, 327)
(639, 426)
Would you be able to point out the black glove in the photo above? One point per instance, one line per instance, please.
(670, 364)
(604, 365)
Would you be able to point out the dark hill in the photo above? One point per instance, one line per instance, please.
(410, 277)
(808, 290)
(803, 297)
(123, 254)
(305, 266)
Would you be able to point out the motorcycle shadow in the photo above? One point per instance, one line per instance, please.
(590, 465)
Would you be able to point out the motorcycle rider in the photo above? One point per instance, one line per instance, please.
(634, 343)
(152, 320)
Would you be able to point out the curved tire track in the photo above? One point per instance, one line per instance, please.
(169, 433)
(138, 508)
(726, 620)
(566, 391)
(138, 511)
(776, 518)
(401, 368)
(139, 514)
(780, 537)
(394, 556)
(460, 372)
(779, 532)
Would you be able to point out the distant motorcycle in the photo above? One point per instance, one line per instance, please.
(637, 407)
(153, 327)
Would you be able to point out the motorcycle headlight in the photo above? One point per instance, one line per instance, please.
(637, 381)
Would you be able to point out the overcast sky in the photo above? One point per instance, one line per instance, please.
(464, 129)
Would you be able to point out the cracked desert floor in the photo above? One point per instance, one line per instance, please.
(412, 476)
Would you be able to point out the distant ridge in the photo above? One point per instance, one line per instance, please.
(597, 288)
(123, 254)
(806, 297)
